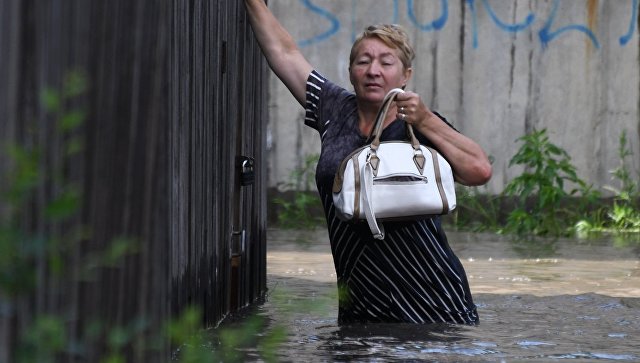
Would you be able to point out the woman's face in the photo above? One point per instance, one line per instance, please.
(376, 69)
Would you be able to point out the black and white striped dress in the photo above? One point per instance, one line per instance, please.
(410, 276)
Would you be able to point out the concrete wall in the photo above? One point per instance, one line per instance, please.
(496, 69)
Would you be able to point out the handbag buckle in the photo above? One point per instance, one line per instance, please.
(419, 160)
(374, 161)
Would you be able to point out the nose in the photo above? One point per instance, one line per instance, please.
(374, 69)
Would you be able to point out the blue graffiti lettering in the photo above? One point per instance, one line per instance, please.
(396, 10)
(335, 24)
(632, 24)
(547, 36)
(512, 28)
(434, 25)
(474, 22)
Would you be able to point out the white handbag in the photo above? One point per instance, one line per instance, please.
(394, 180)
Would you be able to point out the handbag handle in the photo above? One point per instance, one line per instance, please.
(382, 114)
(371, 167)
(418, 157)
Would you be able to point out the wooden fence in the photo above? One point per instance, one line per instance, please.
(130, 123)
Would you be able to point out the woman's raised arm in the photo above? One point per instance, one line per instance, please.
(282, 53)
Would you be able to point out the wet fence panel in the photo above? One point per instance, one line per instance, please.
(132, 170)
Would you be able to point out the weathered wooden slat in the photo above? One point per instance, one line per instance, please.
(176, 94)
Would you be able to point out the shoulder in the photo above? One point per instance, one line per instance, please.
(316, 80)
(325, 97)
(318, 86)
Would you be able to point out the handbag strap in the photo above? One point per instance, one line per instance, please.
(371, 166)
(382, 114)
(367, 194)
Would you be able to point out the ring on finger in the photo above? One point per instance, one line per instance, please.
(402, 116)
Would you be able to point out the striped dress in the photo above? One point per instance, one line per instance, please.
(410, 276)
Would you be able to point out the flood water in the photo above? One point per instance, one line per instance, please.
(564, 300)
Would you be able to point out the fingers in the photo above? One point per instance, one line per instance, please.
(407, 100)
(406, 104)
(410, 107)
(406, 95)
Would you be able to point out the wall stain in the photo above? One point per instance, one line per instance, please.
(592, 19)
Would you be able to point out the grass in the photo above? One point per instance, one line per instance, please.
(302, 209)
(623, 216)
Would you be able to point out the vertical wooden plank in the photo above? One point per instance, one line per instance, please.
(169, 108)
(225, 146)
(178, 155)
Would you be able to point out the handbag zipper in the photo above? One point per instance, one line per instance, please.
(400, 179)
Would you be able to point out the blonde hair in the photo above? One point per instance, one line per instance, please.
(393, 36)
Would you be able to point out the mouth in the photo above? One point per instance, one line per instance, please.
(372, 85)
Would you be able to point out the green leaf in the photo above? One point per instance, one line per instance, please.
(74, 146)
(65, 205)
(75, 84)
(50, 99)
(71, 120)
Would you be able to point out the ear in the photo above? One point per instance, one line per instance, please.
(407, 76)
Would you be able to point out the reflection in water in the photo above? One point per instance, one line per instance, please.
(579, 303)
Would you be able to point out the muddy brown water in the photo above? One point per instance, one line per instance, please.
(562, 300)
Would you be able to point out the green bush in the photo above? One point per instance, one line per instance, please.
(541, 190)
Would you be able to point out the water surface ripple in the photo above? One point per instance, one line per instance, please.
(560, 300)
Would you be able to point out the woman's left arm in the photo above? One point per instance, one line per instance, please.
(469, 162)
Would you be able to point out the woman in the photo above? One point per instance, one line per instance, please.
(412, 275)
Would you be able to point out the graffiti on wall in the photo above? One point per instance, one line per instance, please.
(547, 34)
